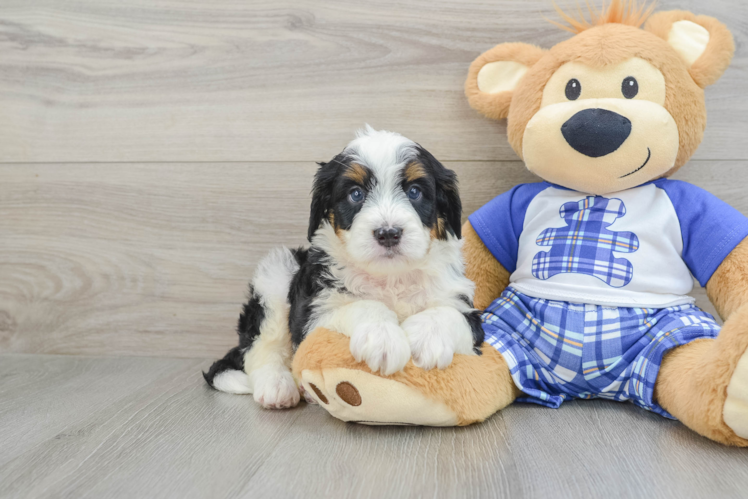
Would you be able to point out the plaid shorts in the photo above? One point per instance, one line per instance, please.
(558, 350)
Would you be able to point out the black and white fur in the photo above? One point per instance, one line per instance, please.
(384, 267)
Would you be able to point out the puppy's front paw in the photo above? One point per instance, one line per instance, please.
(382, 345)
(275, 388)
(435, 335)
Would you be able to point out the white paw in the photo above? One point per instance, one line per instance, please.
(274, 387)
(382, 345)
(435, 335)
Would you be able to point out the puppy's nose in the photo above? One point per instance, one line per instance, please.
(596, 132)
(388, 237)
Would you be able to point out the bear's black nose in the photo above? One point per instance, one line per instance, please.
(596, 132)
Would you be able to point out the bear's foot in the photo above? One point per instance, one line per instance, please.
(704, 383)
(364, 398)
(735, 411)
(469, 390)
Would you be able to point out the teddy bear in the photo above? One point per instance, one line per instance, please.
(584, 278)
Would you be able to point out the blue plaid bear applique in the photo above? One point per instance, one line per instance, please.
(586, 245)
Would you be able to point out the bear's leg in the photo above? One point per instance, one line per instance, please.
(704, 384)
(470, 390)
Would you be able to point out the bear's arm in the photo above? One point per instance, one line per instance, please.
(728, 286)
(482, 268)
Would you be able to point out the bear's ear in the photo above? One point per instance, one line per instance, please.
(704, 44)
(494, 75)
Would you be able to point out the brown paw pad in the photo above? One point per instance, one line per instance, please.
(319, 393)
(348, 393)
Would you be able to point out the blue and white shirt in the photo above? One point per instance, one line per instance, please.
(634, 248)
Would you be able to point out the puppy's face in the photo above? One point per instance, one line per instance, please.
(386, 199)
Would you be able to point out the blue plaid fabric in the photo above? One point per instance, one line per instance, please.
(557, 350)
(586, 245)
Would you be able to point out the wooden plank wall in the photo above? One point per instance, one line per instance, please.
(152, 151)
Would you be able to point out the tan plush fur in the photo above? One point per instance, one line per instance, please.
(482, 268)
(474, 387)
(728, 287)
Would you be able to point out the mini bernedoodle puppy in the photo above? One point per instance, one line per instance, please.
(384, 268)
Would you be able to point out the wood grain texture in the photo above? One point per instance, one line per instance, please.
(170, 438)
(173, 437)
(43, 397)
(179, 80)
(154, 259)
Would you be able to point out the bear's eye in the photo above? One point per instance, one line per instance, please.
(629, 87)
(573, 89)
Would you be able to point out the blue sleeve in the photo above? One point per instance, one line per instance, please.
(499, 222)
(710, 227)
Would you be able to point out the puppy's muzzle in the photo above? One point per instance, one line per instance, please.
(596, 132)
(388, 237)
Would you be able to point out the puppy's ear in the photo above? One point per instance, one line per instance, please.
(322, 191)
(448, 204)
(448, 201)
(495, 74)
(704, 44)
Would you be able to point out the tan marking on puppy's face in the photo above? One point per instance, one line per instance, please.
(602, 129)
(438, 230)
(414, 171)
(356, 173)
(338, 231)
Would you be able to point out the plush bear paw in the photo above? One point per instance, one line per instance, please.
(274, 388)
(735, 411)
(364, 398)
(382, 345)
(469, 390)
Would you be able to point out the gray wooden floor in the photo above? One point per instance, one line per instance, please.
(74, 426)
(151, 151)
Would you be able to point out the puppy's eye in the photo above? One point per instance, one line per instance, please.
(573, 89)
(414, 193)
(356, 195)
(629, 87)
